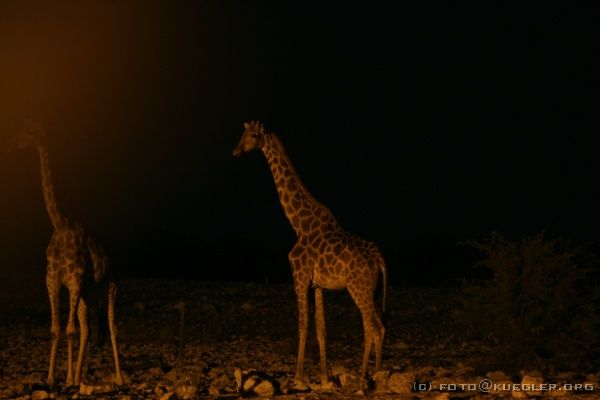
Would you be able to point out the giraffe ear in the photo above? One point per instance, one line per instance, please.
(246, 125)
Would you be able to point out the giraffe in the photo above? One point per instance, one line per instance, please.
(74, 260)
(324, 256)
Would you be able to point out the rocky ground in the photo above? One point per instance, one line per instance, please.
(240, 339)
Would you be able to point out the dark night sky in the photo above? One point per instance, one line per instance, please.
(418, 125)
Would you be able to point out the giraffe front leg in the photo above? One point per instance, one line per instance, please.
(53, 294)
(82, 316)
(74, 294)
(112, 294)
(302, 298)
(321, 333)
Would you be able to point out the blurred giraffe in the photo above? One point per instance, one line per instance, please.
(74, 260)
(324, 256)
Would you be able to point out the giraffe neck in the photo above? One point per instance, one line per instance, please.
(48, 189)
(303, 211)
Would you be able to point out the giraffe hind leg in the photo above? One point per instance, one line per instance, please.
(82, 316)
(74, 296)
(373, 328)
(112, 295)
(379, 335)
(53, 294)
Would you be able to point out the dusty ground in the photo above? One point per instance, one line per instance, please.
(251, 327)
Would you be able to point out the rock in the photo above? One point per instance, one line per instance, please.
(299, 387)
(189, 375)
(443, 382)
(497, 376)
(214, 390)
(349, 382)
(593, 378)
(381, 381)
(88, 390)
(401, 382)
(518, 394)
(500, 387)
(255, 382)
(443, 372)
(442, 396)
(159, 390)
(399, 345)
(265, 388)
(566, 377)
(532, 385)
(216, 372)
(39, 395)
(221, 381)
(186, 392)
(534, 372)
(338, 370)
(139, 306)
(112, 378)
(248, 307)
(154, 372)
(559, 392)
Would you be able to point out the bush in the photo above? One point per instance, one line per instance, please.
(539, 307)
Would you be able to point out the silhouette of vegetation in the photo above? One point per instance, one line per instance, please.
(539, 308)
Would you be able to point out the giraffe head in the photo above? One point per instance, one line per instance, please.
(31, 134)
(98, 257)
(253, 138)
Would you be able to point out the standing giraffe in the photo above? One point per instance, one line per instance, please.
(324, 256)
(75, 261)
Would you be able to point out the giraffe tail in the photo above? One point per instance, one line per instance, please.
(383, 268)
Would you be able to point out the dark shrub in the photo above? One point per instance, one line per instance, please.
(539, 306)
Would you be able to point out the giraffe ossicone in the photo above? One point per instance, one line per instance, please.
(325, 256)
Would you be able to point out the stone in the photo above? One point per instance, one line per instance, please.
(566, 377)
(500, 387)
(139, 306)
(338, 370)
(186, 392)
(349, 382)
(255, 382)
(531, 385)
(381, 381)
(497, 376)
(519, 394)
(401, 382)
(88, 390)
(264, 388)
(39, 395)
(214, 390)
(559, 392)
(442, 396)
(159, 390)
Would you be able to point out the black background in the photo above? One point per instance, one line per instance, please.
(420, 126)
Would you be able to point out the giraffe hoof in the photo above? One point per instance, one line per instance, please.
(327, 384)
(300, 385)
